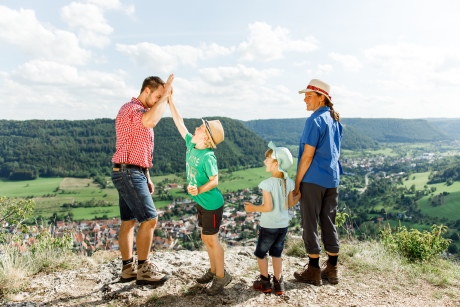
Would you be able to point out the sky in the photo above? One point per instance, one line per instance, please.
(245, 60)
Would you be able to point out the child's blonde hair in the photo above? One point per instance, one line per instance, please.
(208, 143)
(268, 154)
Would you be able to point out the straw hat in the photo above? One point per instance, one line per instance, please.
(318, 86)
(283, 156)
(215, 130)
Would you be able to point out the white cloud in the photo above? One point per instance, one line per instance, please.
(349, 62)
(267, 44)
(324, 69)
(167, 58)
(21, 28)
(237, 75)
(238, 92)
(56, 91)
(90, 19)
(414, 67)
(113, 5)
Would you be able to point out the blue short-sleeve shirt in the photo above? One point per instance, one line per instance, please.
(325, 134)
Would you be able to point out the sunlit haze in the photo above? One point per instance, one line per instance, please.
(239, 59)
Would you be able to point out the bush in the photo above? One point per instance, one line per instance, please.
(18, 260)
(295, 247)
(414, 245)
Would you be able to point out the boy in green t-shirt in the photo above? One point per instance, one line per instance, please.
(202, 176)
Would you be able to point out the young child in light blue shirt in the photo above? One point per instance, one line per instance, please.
(277, 198)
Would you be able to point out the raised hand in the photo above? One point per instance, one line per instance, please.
(168, 84)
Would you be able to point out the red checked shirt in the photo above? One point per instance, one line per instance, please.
(134, 143)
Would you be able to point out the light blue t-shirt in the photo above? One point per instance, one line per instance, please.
(325, 134)
(278, 217)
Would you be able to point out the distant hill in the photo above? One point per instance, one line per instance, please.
(390, 130)
(84, 148)
(361, 133)
(288, 132)
(451, 126)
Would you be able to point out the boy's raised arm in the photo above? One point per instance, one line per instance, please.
(177, 118)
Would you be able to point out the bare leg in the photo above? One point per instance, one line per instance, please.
(144, 238)
(215, 253)
(277, 267)
(125, 239)
(263, 266)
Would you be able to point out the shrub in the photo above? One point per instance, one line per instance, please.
(18, 260)
(414, 245)
(295, 247)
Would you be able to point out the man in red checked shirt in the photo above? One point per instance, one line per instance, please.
(131, 163)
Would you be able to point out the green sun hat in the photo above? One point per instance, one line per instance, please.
(283, 156)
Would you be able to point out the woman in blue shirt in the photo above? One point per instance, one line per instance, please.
(317, 179)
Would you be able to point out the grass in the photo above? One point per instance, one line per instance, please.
(449, 210)
(346, 153)
(371, 257)
(451, 206)
(16, 267)
(51, 193)
(248, 178)
(417, 179)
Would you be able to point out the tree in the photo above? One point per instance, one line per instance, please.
(453, 249)
(15, 211)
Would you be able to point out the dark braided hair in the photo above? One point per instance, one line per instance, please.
(334, 114)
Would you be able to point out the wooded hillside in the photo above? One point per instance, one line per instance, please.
(84, 148)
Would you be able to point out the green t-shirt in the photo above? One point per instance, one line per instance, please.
(200, 165)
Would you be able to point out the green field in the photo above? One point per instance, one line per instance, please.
(363, 153)
(51, 193)
(417, 179)
(451, 207)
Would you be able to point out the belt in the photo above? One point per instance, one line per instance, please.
(118, 166)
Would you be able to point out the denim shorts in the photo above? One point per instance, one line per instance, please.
(270, 240)
(135, 199)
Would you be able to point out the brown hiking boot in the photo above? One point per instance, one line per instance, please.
(218, 284)
(310, 275)
(128, 272)
(329, 273)
(149, 274)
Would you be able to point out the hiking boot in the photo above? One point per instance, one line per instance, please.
(218, 284)
(206, 278)
(262, 285)
(128, 272)
(279, 286)
(330, 273)
(148, 274)
(310, 275)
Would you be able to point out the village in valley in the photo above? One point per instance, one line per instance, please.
(177, 226)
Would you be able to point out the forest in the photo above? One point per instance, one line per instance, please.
(358, 133)
(84, 148)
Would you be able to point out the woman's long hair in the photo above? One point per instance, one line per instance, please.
(334, 114)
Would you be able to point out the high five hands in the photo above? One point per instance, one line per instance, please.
(168, 85)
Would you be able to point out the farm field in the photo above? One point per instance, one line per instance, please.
(346, 153)
(451, 208)
(51, 193)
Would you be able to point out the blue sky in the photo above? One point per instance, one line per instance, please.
(240, 59)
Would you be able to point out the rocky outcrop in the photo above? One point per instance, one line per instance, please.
(99, 286)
